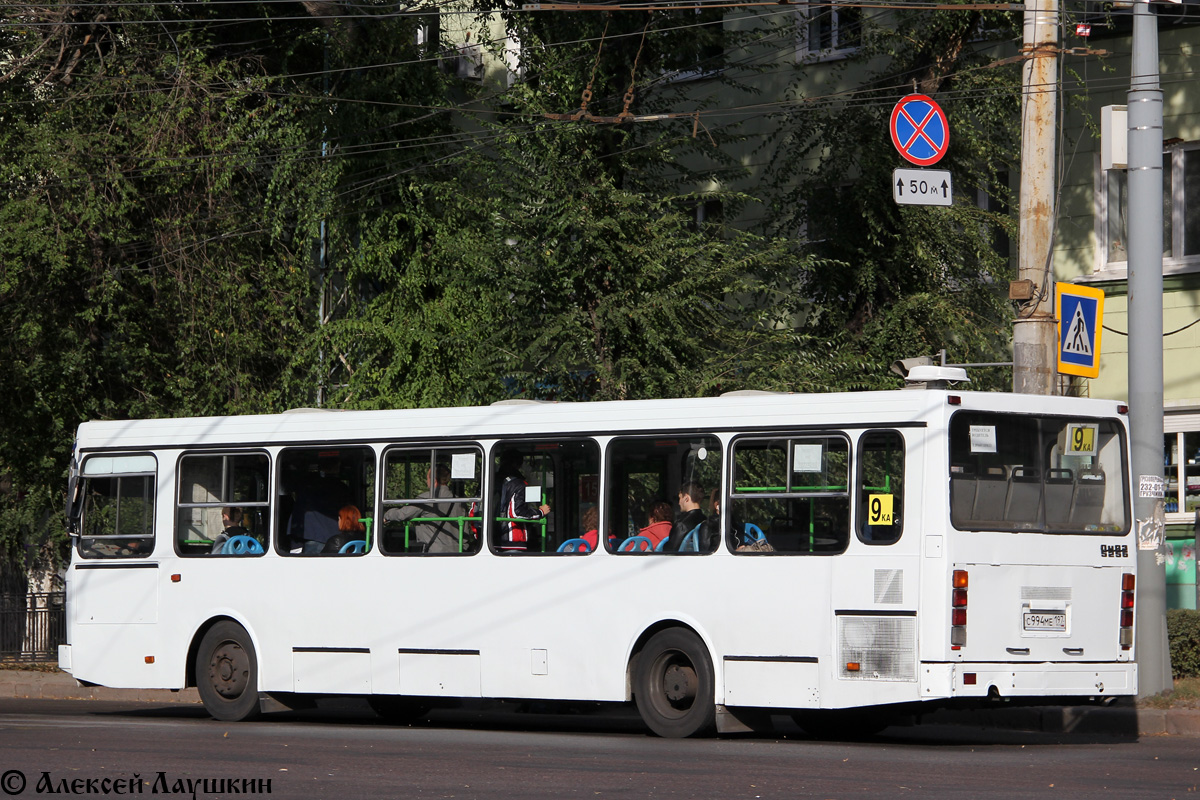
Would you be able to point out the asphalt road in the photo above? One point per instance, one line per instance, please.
(71, 747)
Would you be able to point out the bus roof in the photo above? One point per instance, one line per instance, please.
(728, 412)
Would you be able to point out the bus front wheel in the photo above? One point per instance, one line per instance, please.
(673, 685)
(227, 673)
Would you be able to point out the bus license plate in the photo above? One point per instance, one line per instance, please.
(1045, 621)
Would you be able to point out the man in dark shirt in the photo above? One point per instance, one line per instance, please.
(689, 516)
(515, 510)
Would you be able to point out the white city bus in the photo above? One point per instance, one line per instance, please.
(888, 550)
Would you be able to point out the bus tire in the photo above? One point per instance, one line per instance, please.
(397, 710)
(673, 685)
(227, 673)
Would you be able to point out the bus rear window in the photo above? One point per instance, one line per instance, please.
(1016, 472)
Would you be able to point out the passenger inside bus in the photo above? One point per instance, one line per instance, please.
(231, 518)
(659, 527)
(710, 529)
(591, 527)
(515, 510)
(320, 494)
(691, 494)
(350, 529)
(439, 535)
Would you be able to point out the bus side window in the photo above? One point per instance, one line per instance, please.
(541, 492)
(796, 490)
(881, 487)
(118, 508)
(326, 501)
(224, 504)
(659, 495)
(431, 500)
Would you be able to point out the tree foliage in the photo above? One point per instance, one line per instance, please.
(909, 280)
(159, 200)
(308, 207)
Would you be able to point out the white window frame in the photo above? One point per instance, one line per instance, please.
(1173, 264)
(804, 17)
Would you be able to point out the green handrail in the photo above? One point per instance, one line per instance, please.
(461, 521)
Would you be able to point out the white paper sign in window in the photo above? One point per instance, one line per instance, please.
(462, 466)
(806, 458)
(533, 494)
(983, 438)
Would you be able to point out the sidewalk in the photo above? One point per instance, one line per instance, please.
(1117, 720)
(61, 686)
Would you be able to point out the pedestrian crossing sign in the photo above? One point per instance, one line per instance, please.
(1080, 312)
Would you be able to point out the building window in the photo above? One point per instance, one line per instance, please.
(831, 30)
(1181, 211)
(1182, 457)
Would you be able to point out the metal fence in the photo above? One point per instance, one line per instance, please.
(32, 626)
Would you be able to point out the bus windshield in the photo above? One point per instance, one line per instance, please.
(1019, 472)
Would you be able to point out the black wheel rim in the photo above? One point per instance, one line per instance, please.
(674, 684)
(229, 670)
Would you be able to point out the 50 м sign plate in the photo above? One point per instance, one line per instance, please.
(922, 187)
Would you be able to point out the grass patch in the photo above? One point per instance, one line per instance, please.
(1186, 694)
(29, 666)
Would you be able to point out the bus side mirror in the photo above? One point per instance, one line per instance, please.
(73, 508)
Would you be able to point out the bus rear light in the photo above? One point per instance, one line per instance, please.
(853, 666)
(149, 659)
(958, 609)
(954, 400)
(1122, 408)
(176, 578)
(1128, 581)
(968, 679)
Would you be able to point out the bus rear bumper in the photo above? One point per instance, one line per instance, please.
(1046, 679)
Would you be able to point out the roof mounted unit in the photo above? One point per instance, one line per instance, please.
(930, 377)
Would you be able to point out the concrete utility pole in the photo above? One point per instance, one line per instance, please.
(1145, 148)
(1035, 335)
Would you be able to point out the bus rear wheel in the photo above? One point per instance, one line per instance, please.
(227, 673)
(673, 685)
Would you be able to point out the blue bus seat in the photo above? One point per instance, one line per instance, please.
(752, 533)
(635, 544)
(354, 546)
(691, 541)
(574, 546)
(242, 545)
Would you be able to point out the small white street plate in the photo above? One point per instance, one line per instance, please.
(922, 187)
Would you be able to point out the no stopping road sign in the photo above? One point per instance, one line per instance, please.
(919, 130)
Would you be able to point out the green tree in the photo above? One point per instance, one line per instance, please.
(159, 195)
(906, 280)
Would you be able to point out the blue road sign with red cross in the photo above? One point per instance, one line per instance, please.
(920, 130)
